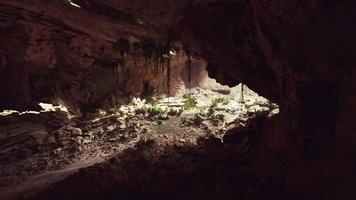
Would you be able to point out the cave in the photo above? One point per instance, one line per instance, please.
(189, 99)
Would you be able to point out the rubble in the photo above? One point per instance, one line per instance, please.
(51, 140)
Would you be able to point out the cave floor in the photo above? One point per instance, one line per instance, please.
(57, 147)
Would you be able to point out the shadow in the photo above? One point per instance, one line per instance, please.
(212, 169)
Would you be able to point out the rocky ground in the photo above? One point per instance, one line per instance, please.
(35, 144)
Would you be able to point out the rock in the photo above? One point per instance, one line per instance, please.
(150, 142)
(64, 142)
(204, 126)
(175, 112)
(163, 116)
(204, 141)
(140, 112)
(77, 132)
(61, 133)
(87, 141)
(220, 117)
(122, 126)
(110, 128)
(25, 153)
(181, 140)
(217, 122)
(88, 134)
(58, 150)
(198, 119)
(51, 139)
(39, 136)
(113, 139)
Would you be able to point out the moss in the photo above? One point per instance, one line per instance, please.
(190, 102)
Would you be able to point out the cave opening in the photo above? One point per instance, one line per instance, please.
(151, 95)
(189, 99)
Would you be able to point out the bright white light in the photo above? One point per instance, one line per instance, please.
(47, 107)
(274, 112)
(173, 53)
(8, 112)
(73, 4)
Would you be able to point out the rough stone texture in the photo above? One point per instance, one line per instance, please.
(52, 51)
(297, 53)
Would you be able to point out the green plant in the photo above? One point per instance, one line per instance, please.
(223, 101)
(190, 102)
(155, 111)
(211, 109)
(152, 101)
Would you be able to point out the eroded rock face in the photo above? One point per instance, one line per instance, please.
(45, 58)
(297, 53)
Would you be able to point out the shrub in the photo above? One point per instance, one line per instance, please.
(190, 102)
(211, 111)
(223, 101)
(155, 111)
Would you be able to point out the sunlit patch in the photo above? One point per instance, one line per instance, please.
(73, 4)
(46, 107)
(274, 112)
(173, 53)
(8, 112)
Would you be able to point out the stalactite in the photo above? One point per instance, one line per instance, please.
(168, 68)
(242, 99)
(136, 47)
(189, 69)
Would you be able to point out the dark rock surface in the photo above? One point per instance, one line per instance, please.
(300, 54)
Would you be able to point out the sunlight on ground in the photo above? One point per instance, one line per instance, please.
(46, 107)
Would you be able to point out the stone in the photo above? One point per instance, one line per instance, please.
(163, 116)
(181, 140)
(64, 142)
(40, 136)
(88, 134)
(110, 128)
(198, 119)
(77, 132)
(58, 150)
(51, 139)
(87, 141)
(25, 153)
(122, 126)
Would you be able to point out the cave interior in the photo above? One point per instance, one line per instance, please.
(167, 99)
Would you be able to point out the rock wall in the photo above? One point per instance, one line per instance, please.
(297, 53)
(41, 61)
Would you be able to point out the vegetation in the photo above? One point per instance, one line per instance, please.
(217, 101)
(155, 111)
(211, 110)
(190, 102)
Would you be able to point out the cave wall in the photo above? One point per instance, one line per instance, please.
(299, 54)
(43, 59)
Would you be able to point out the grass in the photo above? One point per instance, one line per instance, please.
(217, 101)
(155, 110)
(190, 102)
